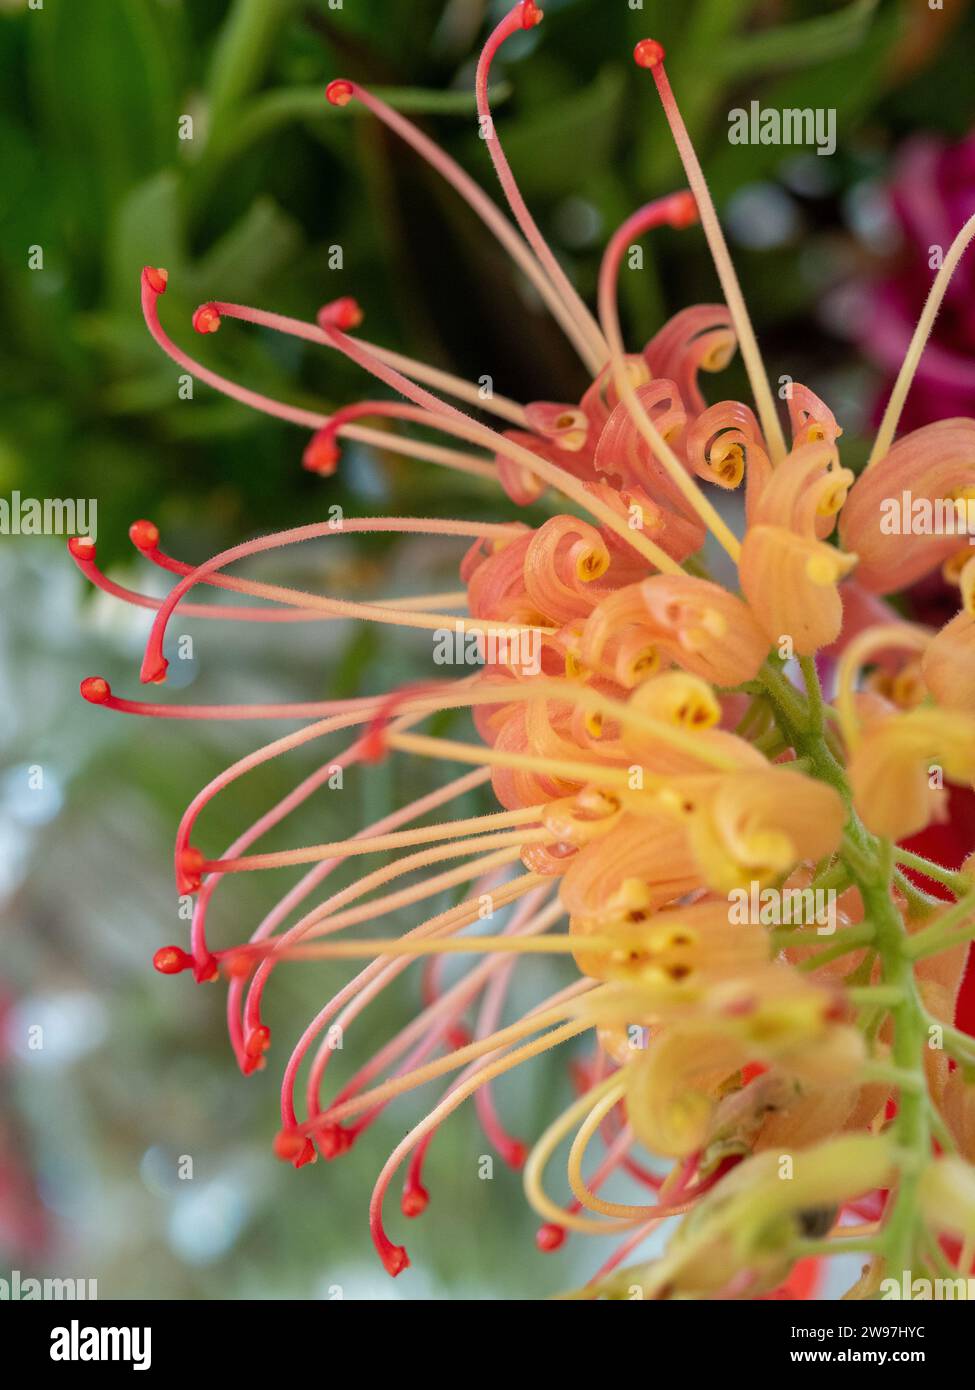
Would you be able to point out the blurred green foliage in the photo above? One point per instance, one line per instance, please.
(96, 175)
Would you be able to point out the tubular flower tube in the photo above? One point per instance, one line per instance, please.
(948, 664)
(900, 517)
(667, 801)
(897, 770)
(756, 826)
(789, 575)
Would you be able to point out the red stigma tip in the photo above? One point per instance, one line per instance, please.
(415, 1200)
(189, 870)
(530, 14)
(96, 690)
(343, 314)
(258, 1041)
(374, 744)
(458, 1037)
(306, 1154)
(206, 319)
(340, 92)
(82, 547)
(288, 1144)
(154, 675)
(683, 210)
(292, 1147)
(395, 1260)
(155, 278)
(649, 53)
(321, 455)
(144, 535)
(514, 1154)
(171, 960)
(333, 1140)
(550, 1237)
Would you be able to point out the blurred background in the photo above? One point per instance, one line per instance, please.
(110, 1075)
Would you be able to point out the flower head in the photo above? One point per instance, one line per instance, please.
(651, 753)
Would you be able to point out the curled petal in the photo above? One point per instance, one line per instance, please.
(891, 515)
(672, 1087)
(754, 826)
(613, 885)
(752, 1214)
(812, 1116)
(567, 426)
(792, 586)
(680, 699)
(704, 628)
(724, 444)
(483, 549)
(811, 419)
(515, 787)
(564, 558)
(602, 398)
(624, 456)
(697, 339)
(496, 588)
(948, 664)
(804, 493)
(898, 768)
(520, 483)
(676, 532)
(620, 618)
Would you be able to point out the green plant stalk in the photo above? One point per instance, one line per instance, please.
(957, 882)
(870, 862)
(953, 927)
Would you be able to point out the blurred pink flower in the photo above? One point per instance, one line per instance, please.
(932, 194)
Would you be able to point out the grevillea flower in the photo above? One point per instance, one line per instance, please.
(659, 744)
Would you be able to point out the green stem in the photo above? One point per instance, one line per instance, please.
(959, 883)
(954, 926)
(870, 864)
(817, 717)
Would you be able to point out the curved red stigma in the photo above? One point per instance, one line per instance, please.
(339, 92)
(322, 454)
(550, 1237)
(82, 547)
(207, 319)
(649, 53)
(293, 1147)
(343, 314)
(415, 1199)
(156, 279)
(96, 690)
(395, 1259)
(144, 535)
(682, 209)
(172, 960)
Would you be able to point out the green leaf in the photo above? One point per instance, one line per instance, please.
(147, 230)
(262, 243)
(242, 52)
(549, 148)
(104, 94)
(797, 45)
